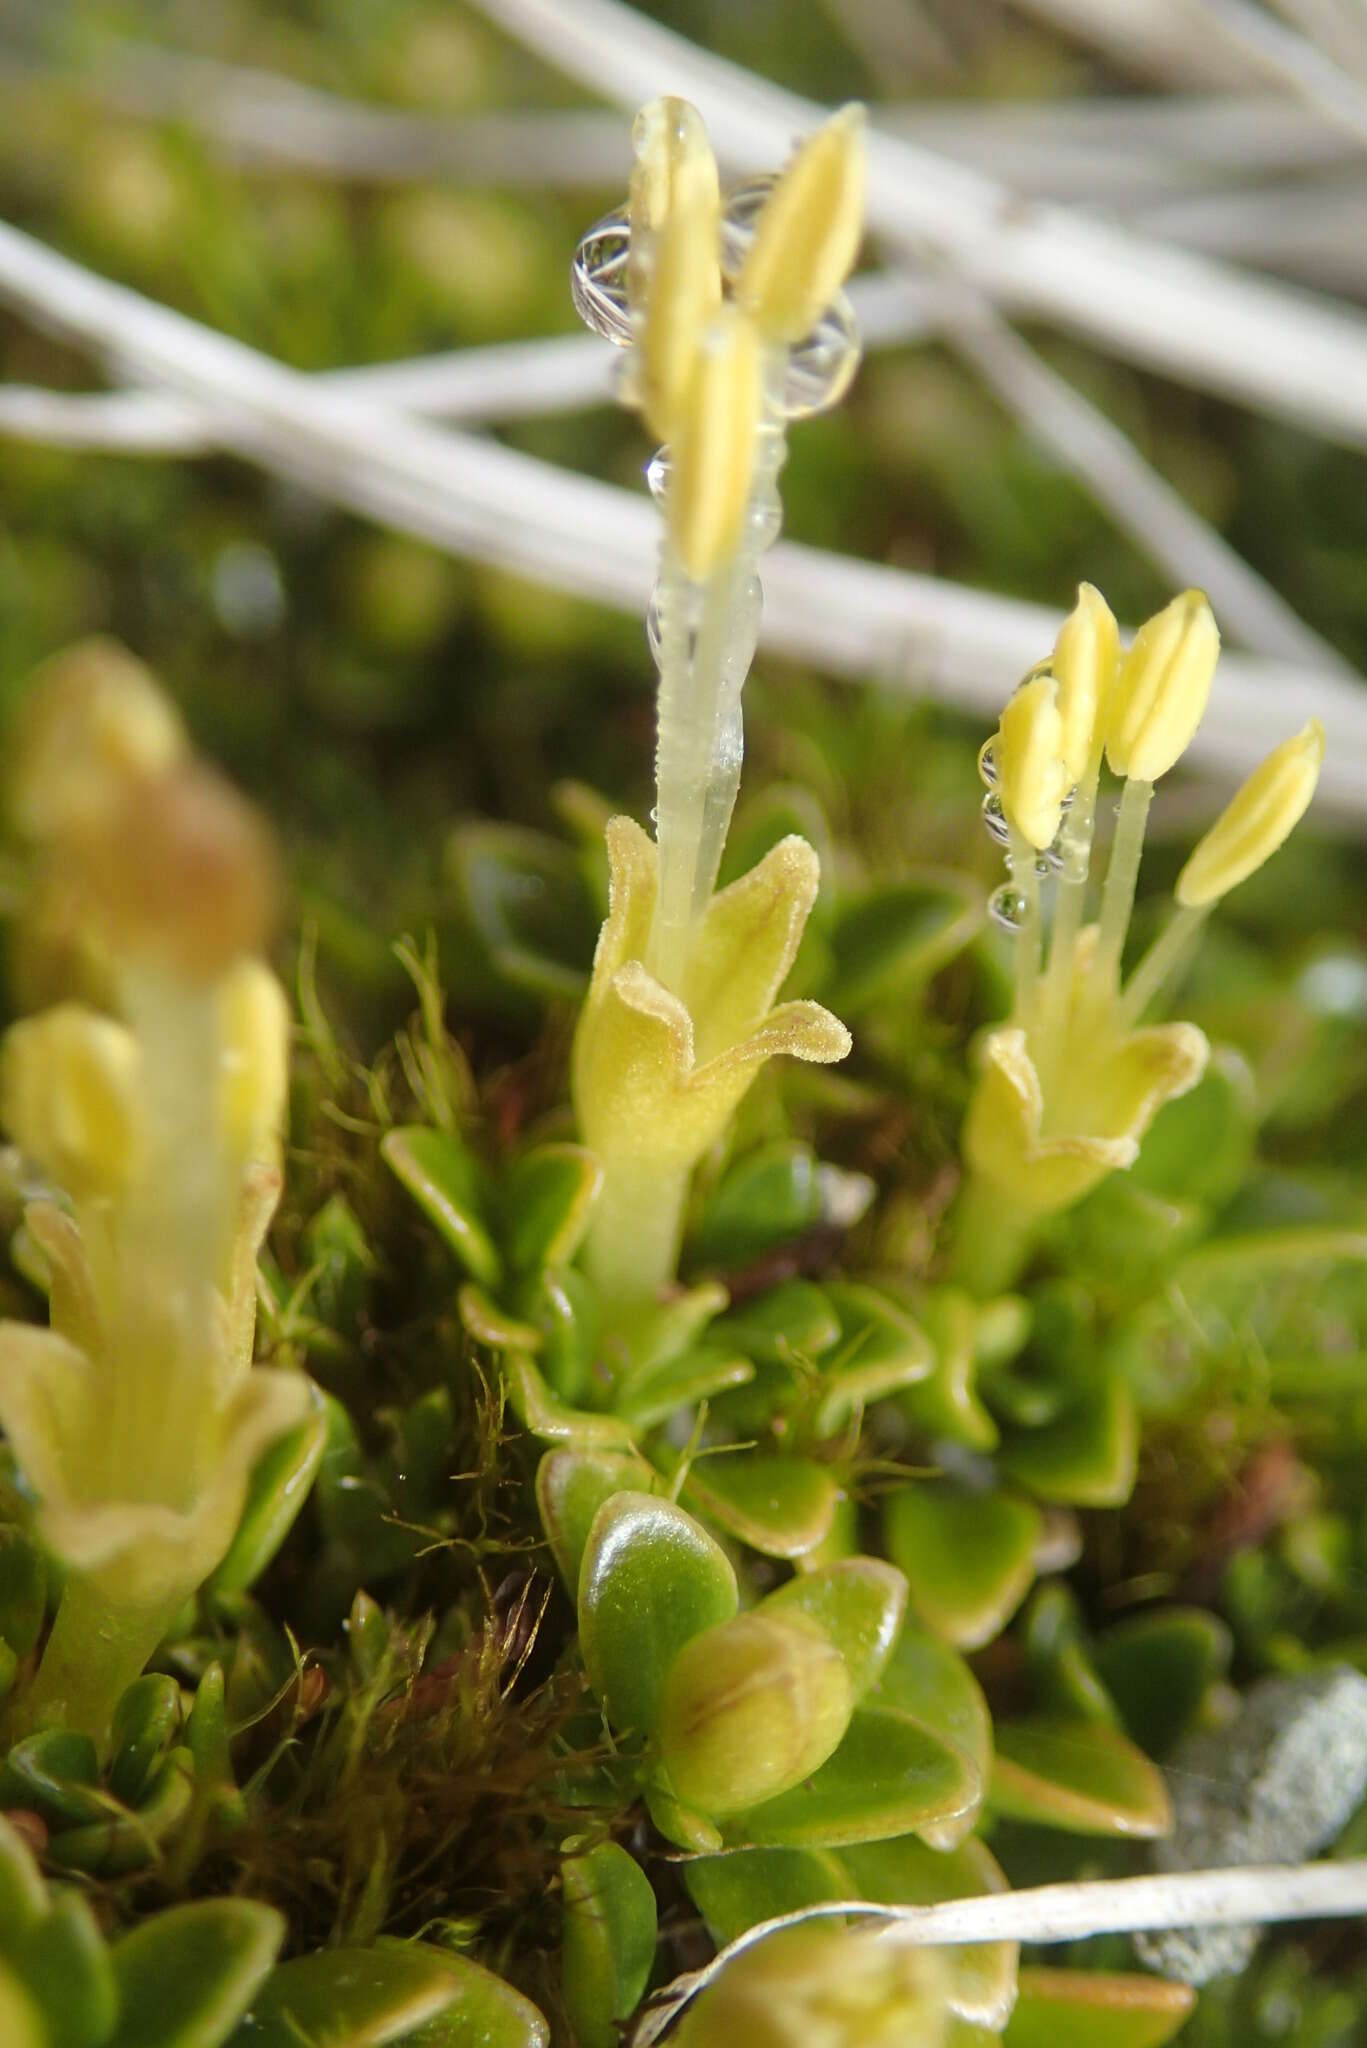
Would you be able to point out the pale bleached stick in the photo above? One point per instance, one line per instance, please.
(1251, 1895)
(1205, 323)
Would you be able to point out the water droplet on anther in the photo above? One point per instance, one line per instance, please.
(995, 819)
(658, 472)
(598, 278)
(987, 764)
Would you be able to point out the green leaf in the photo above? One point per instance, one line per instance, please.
(860, 1603)
(444, 1180)
(489, 1323)
(21, 2023)
(969, 1558)
(928, 1680)
(128, 1841)
(186, 1977)
(23, 1895)
(146, 1722)
(278, 1488)
(659, 1391)
(1092, 2009)
(1077, 1775)
(791, 1323)
(524, 896)
(67, 1970)
(1059, 1658)
(906, 1872)
(543, 1204)
(607, 1942)
(1159, 1667)
(1085, 1458)
(564, 1306)
(882, 1349)
(1199, 1146)
(538, 1410)
(890, 1776)
(898, 935)
(739, 1891)
(395, 1991)
(651, 1579)
(23, 1590)
(947, 1403)
(781, 1506)
(768, 1198)
(571, 1486)
(58, 1772)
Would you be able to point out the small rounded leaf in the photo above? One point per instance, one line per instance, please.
(607, 1943)
(969, 1558)
(859, 1602)
(651, 1579)
(187, 1976)
(1078, 1775)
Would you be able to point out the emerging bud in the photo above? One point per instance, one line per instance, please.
(94, 720)
(1029, 751)
(68, 1095)
(1256, 821)
(750, 1708)
(1162, 689)
(1086, 655)
(714, 446)
(183, 872)
(808, 233)
(254, 1027)
(825, 1987)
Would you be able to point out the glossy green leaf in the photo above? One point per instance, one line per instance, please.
(653, 1395)
(543, 1204)
(781, 1506)
(58, 1773)
(900, 934)
(946, 1403)
(489, 1323)
(186, 1977)
(1087, 1456)
(890, 1776)
(145, 1724)
(128, 1841)
(860, 1603)
(1159, 1667)
(881, 1350)
(1059, 1658)
(792, 1323)
(23, 1896)
(563, 1305)
(444, 1180)
(21, 2023)
(928, 1680)
(538, 1410)
(607, 1943)
(969, 1558)
(23, 1590)
(1199, 1146)
(739, 1891)
(279, 1486)
(1077, 1775)
(767, 1198)
(395, 1991)
(1095, 2009)
(571, 1486)
(674, 1325)
(525, 899)
(67, 1970)
(651, 1578)
(907, 1872)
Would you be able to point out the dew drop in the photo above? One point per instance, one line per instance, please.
(995, 819)
(598, 278)
(659, 469)
(1046, 863)
(822, 365)
(738, 223)
(1008, 908)
(987, 764)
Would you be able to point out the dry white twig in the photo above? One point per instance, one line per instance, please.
(1065, 1912)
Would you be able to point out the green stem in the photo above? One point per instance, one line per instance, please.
(991, 1238)
(95, 1651)
(1117, 899)
(633, 1242)
(1076, 850)
(1163, 958)
(1020, 860)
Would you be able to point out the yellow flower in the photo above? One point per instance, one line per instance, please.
(656, 1076)
(824, 1986)
(1256, 821)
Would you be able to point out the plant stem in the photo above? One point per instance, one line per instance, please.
(96, 1649)
(633, 1242)
(1020, 860)
(1117, 899)
(1163, 958)
(990, 1239)
(1070, 901)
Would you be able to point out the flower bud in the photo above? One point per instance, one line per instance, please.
(68, 1094)
(254, 1027)
(1162, 689)
(183, 873)
(820, 1986)
(1084, 663)
(714, 446)
(1034, 778)
(93, 720)
(1256, 821)
(808, 232)
(750, 1708)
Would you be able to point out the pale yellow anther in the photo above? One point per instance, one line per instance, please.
(808, 232)
(674, 167)
(674, 269)
(254, 1025)
(69, 1097)
(1033, 775)
(1256, 821)
(94, 719)
(1086, 655)
(1162, 689)
(713, 446)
